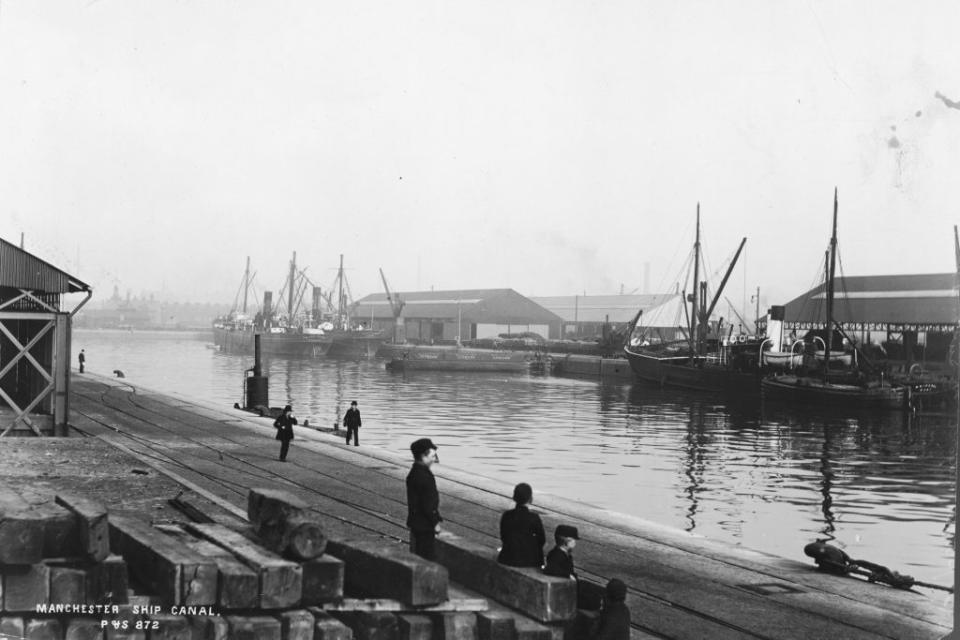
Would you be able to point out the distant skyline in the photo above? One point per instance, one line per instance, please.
(555, 148)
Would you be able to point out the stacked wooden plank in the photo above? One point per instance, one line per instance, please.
(57, 574)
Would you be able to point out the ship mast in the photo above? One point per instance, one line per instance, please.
(246, 285)
(340, 321)
(694, 307)
(293, 275)
(831, 272)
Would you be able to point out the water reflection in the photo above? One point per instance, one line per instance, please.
(881, 486)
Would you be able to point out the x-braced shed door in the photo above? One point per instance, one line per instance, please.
(34, 368)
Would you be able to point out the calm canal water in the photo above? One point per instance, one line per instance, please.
(881, 487)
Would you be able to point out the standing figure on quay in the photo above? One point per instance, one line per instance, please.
(82, 357)
(423, 499)
(351, 420)
(521, 532)
(284, 424)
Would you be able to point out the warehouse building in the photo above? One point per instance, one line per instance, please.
(595, 317)
(446, 316)
(911, 317)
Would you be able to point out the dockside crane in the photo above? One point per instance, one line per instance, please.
(396, 306)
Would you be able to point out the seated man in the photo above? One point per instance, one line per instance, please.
(560, 558)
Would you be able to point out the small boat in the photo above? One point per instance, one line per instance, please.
(782, 359)
(851, 389)
(453, 358)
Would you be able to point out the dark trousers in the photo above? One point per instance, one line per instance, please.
(284, 447)
(81, 367)
(356, 435)
(422, 544)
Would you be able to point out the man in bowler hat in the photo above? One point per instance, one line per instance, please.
(284, 424)
(560, 558)
(423, 499)
(351, 420)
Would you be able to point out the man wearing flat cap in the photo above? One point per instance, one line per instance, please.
(560, 558)
(423, 499)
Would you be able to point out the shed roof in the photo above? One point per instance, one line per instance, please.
(612, 308)
(917, 302)
(23, 270)
(488, 306)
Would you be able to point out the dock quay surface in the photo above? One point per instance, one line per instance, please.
(149, 447)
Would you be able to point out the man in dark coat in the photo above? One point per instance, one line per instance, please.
(560, 558)
(83, 359)
(521, 532)
(351, 420)
(284, 424)
(423, 499)
(614, 622)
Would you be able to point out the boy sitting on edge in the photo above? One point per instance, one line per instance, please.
(560, 558)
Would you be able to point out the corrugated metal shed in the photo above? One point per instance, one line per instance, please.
(22, 270)
(923, 302)
(615, 308)
(481, 306)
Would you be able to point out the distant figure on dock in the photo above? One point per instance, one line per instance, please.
(560, 558)
(614, 621)
(351, 420)
(423, 499)
(82, 358)
(521, 532)
(118, 373)
(284, 424)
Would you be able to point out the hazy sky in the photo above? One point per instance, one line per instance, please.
(552, 147)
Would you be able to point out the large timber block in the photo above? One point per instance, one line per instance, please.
(212, 627)
(370, 625)
(21, 530)
(25, 586)
(43, 628)
(238, 586)
(412, 626)
(61, 530)
(296, 624)
(83, 629)
(178, 575)
(456, 626)
(281, 581)
(327, 627)
(285, 524)
(496, 625)
(166, 626)
(254, 628)
(385, 569)
(91, 523)
(11, 627)
(109, 580)
(322, 579)
(544, 598)
(69, 584)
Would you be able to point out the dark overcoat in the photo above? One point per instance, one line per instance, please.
(522, 536)
(559, 563)
(614, 623)
(284, 425)
(423, 499)
(352, 418)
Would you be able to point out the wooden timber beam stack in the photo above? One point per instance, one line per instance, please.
(278, 578)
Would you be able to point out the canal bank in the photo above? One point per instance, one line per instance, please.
(680, 586)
